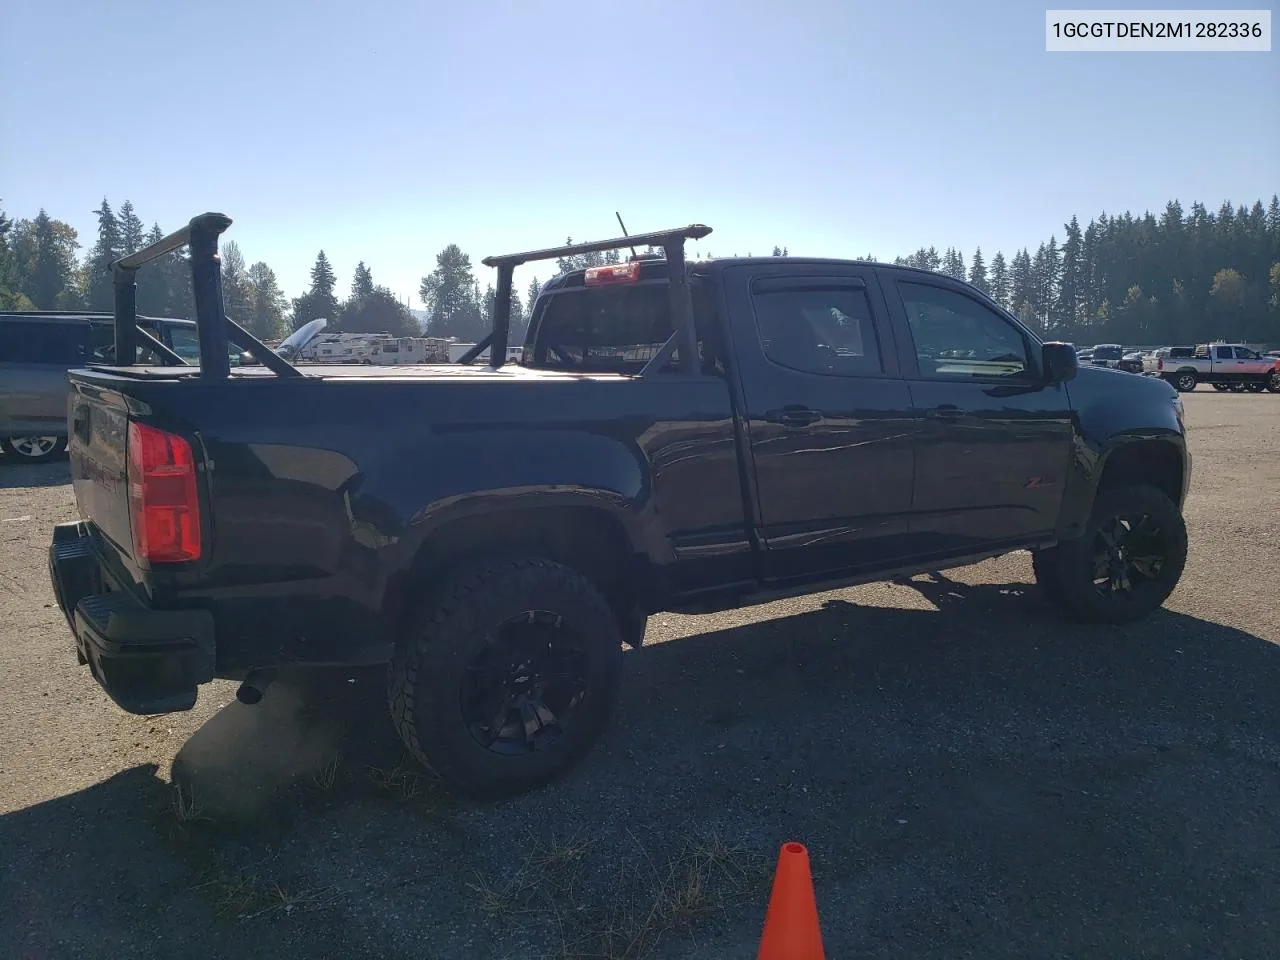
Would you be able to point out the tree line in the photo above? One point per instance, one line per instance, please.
(1174, 279)
(1179, 278)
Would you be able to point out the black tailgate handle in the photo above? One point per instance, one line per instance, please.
(80, 423)
(793, 415)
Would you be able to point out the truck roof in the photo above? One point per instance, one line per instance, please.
(655, 268)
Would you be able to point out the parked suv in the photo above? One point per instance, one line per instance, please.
(37, 348)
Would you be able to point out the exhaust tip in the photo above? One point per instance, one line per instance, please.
(254, 686)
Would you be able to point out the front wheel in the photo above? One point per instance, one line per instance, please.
(1127, 563)
(507, 676)
(33, 449)
(1273, 382)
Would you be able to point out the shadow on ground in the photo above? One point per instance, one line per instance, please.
(16, 475)
(975, 780)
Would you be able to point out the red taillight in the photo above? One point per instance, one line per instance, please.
(614, 273)
(1159, 364)
(163, 504)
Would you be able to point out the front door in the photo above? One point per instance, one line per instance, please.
(827, 417)
(995, 442)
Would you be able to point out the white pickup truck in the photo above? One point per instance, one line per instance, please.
(1227, 366)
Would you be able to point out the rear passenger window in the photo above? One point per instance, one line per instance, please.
(44, 342)
(825, 331)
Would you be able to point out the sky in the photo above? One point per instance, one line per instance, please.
(383, 131)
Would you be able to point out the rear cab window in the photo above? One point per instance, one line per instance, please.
(616, 328)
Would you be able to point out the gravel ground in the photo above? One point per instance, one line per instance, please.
(972, 777)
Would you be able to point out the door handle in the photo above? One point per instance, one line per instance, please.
(946, 411)
(793, 416)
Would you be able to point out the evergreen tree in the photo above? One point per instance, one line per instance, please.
(164, 287)
(579, 261)
(100, 292)
(362, 283)
(1022, 285)
(1071, 292)
(237, 292)
(267, 304)
(978, 272)
(530, 296)
(44, 262)
(953, 263)
(999, 282)
(319, 301)
(378, 311)
(132, 237)
(10, 298)
(453, 306)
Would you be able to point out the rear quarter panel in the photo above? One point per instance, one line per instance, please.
(323, 490)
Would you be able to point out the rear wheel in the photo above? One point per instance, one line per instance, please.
(508, 675)
(1127, 563)
(33, 449)
(1184, 381)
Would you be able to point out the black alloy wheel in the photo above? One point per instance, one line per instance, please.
(1128, 554)
(521, 691)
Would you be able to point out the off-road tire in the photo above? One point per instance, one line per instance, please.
(1065, 571)
(15, 455)
(1273, 382)
(451, 626)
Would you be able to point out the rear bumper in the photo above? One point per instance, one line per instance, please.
(148, 661)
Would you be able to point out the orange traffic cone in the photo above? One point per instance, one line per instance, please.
(791, 923)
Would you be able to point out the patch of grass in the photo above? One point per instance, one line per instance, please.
(327, 776)
(642, 901)
(185, 808)
(241, 895)
(398, 782)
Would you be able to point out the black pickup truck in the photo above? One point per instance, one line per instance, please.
(684, 436)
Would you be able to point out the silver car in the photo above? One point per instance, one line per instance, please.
(37, 348)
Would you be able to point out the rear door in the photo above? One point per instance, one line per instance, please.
(995, 441)
(35, 355)
(826, 412)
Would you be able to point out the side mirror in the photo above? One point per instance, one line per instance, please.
(1060, 362)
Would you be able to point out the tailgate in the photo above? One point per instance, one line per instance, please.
(98, 424)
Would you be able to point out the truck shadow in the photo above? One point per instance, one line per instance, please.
(15, 475)
(973, 778)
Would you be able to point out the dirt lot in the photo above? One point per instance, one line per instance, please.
(972, 776)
